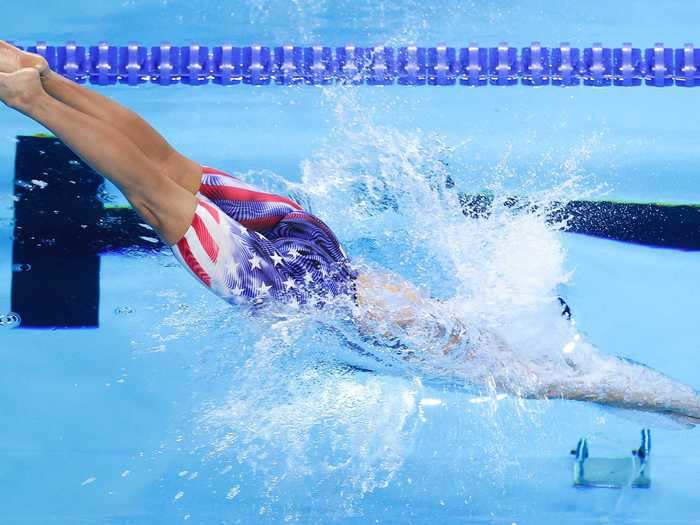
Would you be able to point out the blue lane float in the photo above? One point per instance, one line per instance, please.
(442, 65)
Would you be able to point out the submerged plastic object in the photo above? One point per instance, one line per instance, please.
(627, 66)
(103, 64)
(535, 64)
(226, 65)
(688, 66)
(71, 62)
(133, 65)
(319, 66)
(633, 470)
(473, 65)
(411, 66)
(503, 65)
(381, 67)
(565, 66)
(165, 64)
(659, 62)
(256, 66)
(442, 65)
(288, 65)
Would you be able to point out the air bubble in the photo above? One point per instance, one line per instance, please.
(21, 267)
(123, 310)
(10, 320)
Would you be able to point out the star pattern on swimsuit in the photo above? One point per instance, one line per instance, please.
(289, 284)
(264, 289)
(237, 291)
(255, 262)
(276, 259)
(308, 278)
(232, 267)
(293, 253)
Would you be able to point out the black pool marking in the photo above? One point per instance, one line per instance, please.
(62, 228)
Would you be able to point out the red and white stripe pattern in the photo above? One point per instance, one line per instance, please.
(199, 250)
(254, 209)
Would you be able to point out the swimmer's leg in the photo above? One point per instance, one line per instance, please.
(164, 204)
(176, 166)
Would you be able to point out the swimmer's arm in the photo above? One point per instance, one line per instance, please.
(387, 301)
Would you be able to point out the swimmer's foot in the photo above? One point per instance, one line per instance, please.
(13, 59)
(20, 90)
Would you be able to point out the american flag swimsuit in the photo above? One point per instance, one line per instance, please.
(249, 246)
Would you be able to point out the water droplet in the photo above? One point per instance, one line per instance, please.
(179, 495)
(123, 310)
(21, 267)
(233, 492)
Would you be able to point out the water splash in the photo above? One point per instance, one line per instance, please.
(299, 400)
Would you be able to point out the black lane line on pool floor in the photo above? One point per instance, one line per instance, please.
(62, 227)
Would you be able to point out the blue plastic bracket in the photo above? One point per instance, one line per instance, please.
(318, 65)
(411, 66)
(165, 64)
(503, 65)
(288, 65)
(381, 66)
(195, 65)
(103, 64)
(688, 66)
(565, 63)
(442, 66)
(627, 66)
(226, 65)
(133, 64)
(256, 65)
(536, 67)
(70, 62)
(473, 65)
(351, 64)
(659, 66)
(597, 68)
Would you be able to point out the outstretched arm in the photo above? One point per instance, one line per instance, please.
(388, 306)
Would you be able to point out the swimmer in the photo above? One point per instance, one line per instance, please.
(250, 246)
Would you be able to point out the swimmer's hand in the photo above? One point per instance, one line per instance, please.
(13, 59)
(21, 89)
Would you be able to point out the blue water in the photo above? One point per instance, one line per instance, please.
(180, 408)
